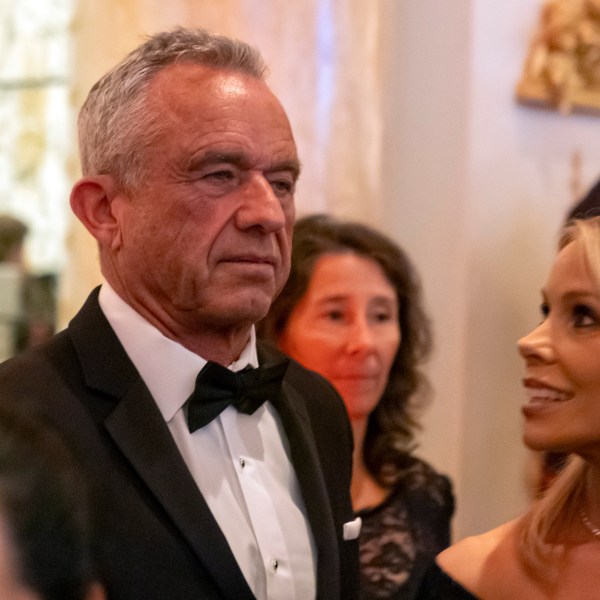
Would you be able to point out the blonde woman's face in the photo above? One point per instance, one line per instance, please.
(562, 360)
(346, 328)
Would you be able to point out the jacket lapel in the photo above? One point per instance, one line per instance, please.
(294, 417)
(138, 429)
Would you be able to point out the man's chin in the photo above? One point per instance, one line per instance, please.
(241, 311)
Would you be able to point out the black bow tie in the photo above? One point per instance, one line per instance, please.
(218, 387)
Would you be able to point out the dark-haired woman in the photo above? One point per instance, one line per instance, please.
(351, 310)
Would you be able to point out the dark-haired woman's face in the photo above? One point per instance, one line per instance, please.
(346, 328)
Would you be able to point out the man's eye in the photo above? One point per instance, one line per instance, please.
(583, 316)
(544, 310)
(282, 186)
(223, 174)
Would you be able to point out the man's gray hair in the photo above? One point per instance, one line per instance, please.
(116, 129)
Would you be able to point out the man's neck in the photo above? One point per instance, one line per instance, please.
(217, 347)
(222, 345)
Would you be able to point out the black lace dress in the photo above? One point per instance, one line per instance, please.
(401, 537)
(438, 585)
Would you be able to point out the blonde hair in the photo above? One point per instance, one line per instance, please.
(560, 504)
(540, 527)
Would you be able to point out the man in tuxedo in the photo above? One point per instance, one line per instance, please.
(218, 468)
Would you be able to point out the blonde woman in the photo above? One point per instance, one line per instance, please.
(553, 551)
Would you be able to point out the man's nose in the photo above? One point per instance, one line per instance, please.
(260, 206)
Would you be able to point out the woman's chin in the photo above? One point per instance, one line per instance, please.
(359, 404)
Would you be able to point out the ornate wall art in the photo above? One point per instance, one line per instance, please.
(562, 69)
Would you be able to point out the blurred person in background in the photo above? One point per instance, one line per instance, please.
(44, 528)
(27, 300)
(12, 238)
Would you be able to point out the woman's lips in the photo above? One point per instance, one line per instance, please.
(541, 395)
(358, 376)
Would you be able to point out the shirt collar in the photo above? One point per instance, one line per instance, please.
(168, 369)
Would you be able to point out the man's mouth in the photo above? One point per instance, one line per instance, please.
(250, 259)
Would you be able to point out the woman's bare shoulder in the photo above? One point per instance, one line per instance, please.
(465, 561)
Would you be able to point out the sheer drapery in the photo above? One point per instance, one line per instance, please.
(324, 59)
(35, 123)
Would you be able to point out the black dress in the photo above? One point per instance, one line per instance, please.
(438, 585)
(401, 537)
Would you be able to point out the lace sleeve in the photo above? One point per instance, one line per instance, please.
(400, 537)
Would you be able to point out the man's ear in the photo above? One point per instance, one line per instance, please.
(92, 200)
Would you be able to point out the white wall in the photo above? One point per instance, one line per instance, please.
(476, 187)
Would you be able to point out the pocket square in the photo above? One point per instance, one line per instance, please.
(352, 529)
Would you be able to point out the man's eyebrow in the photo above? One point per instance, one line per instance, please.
(293, 166)
(241, 160)
(212, 157)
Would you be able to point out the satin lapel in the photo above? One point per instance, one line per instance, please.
(137, 428)
(292, 410)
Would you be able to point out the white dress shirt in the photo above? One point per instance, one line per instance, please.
(241, 463)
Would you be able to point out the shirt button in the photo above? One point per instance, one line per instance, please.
(274, 564)
(242, 463)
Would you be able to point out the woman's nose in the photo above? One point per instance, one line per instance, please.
(537, 345)
(360, 335)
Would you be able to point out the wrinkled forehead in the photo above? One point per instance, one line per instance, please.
(204, 106)
(194, 86)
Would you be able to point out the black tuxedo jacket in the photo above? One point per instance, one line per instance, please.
(154, 535)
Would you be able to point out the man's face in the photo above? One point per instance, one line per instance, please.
(206, 237)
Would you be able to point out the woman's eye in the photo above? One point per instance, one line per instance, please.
(382, 317)
(583, 316)
(544, 310)
(334, 315)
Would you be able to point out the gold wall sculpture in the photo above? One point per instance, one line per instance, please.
(562, 69)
